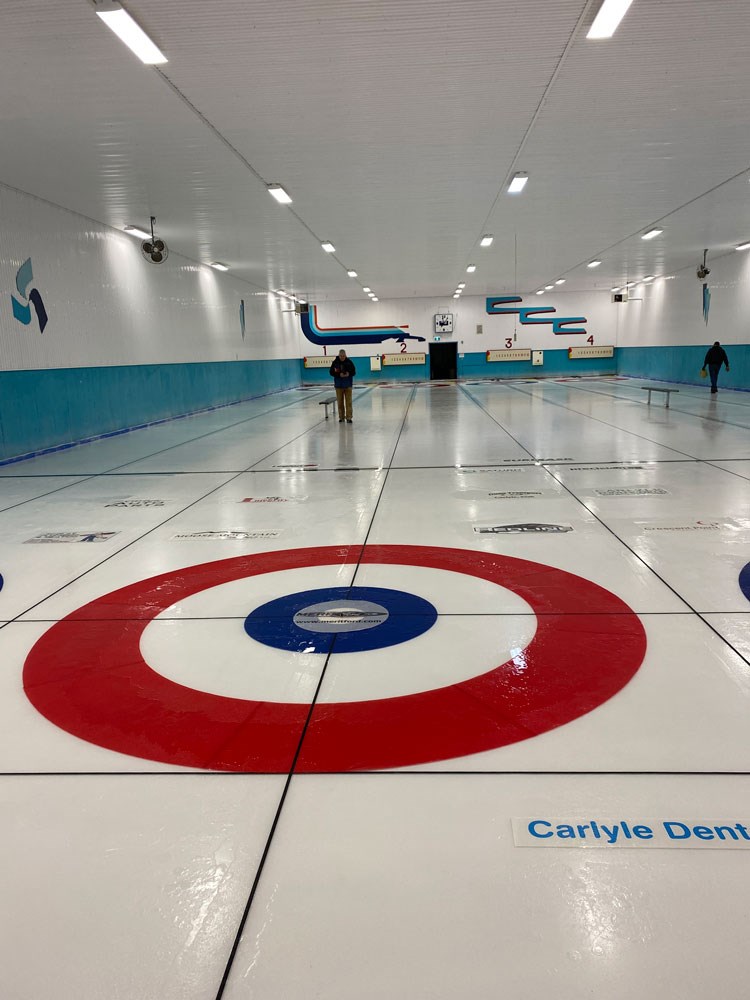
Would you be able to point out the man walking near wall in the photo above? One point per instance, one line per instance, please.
(715, 357)
(343, 372)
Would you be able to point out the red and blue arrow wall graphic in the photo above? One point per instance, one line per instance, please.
(351, 334)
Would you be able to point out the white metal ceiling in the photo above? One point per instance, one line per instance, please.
(393, 124)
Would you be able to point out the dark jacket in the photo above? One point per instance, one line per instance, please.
(716, 356)
(343, 372)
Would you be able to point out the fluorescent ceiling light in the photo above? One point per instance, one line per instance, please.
(328, 247)
(135, 231)
(471, 268)
(560, 281)
(486, 241)
(462, 285)
(540, 292)
(606, 21)
(651, 234)
(352, 274)
(649, 277)
(218, 265)
(630, 284)
(615, 289)
(136, 39)
(743, 246)
(365, 288)
(456, 296)
(518, 182)
(277, 191)
(548, 287)
(593, 263)
(375, 298)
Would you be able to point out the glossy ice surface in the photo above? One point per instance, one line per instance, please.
(521, 599)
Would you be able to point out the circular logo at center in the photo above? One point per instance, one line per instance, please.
(338, 616)
(340, 619)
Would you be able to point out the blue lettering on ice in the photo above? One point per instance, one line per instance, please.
(540, 822)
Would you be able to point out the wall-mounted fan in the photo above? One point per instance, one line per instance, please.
(154, 250)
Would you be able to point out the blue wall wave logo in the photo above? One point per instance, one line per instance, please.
(22, 310)
(499, 305)
(744, 580)
(353, 334)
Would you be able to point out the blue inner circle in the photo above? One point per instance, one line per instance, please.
(745, 581)
(273, 623)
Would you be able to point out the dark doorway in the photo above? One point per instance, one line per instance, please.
(443, 360)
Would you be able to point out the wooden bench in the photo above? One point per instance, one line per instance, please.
(652, 388)
(327, 402)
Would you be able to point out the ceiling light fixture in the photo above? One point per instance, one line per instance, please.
(462, 285)
(743, 246)
(560, 281)
(457, 295)
(606, 21)
(375, 298)
(651, 234)
(518, 182)
(630, 284)
(540, 292)
(218, 265)
(649, 277)
(135, 231)
(548, 287)
(615, 289)
(118, 20)
(328, 246)
(277, 191)
(486, 240)
(352, 274)
(593, 263)
(471, 268)
(366, 288)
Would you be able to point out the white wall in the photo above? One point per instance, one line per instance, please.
(108, 306)
(469, 312)
(671, 311)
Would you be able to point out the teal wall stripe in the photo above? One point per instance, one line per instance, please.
(53, 408)
(50, 408)
(683, 364)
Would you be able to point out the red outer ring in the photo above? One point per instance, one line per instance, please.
(87, 675)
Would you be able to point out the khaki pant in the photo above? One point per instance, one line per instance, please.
(344, 401)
